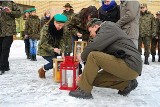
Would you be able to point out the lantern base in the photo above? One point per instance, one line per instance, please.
(68, 88)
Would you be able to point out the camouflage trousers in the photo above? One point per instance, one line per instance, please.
(154, 44)
(146, 41)
(115, 74)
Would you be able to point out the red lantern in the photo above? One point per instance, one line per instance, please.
(69, 70)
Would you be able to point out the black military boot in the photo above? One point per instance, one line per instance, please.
(1, 72)
(80, 94)
(146, 61)
(34, 58)
(159, 58)
(131, 86)
(153, 58)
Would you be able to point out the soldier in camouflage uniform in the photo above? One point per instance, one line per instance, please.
(26, 39)
(77, 24)
(49, 46)
(146, 32)
(46, 18)
(8, 12)
(69, 12)
(156, 40)
(32, 31)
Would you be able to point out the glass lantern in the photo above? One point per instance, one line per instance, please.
(69, 71)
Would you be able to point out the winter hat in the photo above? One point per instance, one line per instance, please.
(67, 5)
(60, 18)
(93, 21)
(143, 5)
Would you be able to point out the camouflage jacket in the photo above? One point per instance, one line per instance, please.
(7, 20)
(47, 43)
(68, 14)
(147, 25)
(158, 27)
(75, 25)
(44, 21)
(32, 27)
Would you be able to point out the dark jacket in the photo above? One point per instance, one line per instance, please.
(112, 15)
(7, 20)
(110, 39)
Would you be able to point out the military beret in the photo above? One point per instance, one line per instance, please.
(60, 18)
(26, 11)
(143, 5)
(32, 9)
(158, 13)
(93, 21)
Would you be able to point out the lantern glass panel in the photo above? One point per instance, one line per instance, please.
(64, 82)
(70, 78)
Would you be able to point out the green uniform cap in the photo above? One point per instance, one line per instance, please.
(60, 18)
(32, 9)
(26, 11)
(93, 21)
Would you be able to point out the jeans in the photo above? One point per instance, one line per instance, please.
(49, 65)
(33, 46)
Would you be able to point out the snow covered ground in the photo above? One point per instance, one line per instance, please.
(21, 87)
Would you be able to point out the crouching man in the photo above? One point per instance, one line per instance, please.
(112, 51)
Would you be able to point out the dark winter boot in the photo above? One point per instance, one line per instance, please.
(4, 68)
(153, 58)
(146, 61)
(131, 86)
(80, 94)
(2, 72)
(34, 58)
(159, 58)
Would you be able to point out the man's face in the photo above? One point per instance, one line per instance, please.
(107, 2)
(58, 25)
(33, 13)
(143, 9)
(92, 31)
(67, 9)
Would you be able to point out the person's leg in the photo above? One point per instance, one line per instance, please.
(6, 44)
(159, 49)
(34, 49)
(49, 65)
(26, 41)
(1, 41)
(153, 48)
(114, 66)
(31, 48)
(147, 41)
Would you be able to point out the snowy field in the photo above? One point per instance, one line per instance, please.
(21, 87)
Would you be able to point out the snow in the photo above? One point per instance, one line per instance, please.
(21, 87)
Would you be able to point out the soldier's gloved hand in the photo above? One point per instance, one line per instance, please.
(79, 34)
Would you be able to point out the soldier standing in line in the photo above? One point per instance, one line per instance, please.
(146, 32)
(26, 39)
(8, 12)
(32, 31)
(156, 39)
(68, 38)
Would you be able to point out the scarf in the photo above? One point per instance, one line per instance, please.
(108, 7)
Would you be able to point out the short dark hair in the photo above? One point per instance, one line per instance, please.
(93, 22)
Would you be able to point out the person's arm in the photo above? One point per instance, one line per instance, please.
(153, 22)
(15, 11)
(44, 38)
(105, 37)
(132, 8)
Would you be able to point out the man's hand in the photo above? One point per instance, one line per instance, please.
(56, 50)
(7, 9)
(78, 78)
(79, 34)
